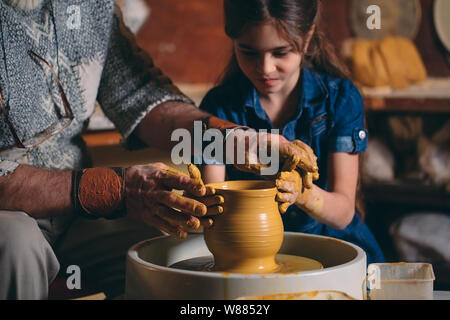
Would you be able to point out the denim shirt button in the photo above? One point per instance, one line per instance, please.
(362, 134)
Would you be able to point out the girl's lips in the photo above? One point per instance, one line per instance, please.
(269, 81)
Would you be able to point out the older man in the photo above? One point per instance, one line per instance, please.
(57, 59)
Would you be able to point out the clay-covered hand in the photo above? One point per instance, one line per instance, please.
(210, 199)
(291, 190)
(292, 155)
(289, 185)
(301, 157)
(150, 198)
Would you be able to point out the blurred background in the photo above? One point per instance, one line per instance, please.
(406, 169)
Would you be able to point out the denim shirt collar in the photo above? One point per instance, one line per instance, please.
(313, 90)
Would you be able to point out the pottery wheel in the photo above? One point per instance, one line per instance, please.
(151, 272)
(288, 264)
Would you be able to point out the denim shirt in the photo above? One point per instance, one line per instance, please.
(329, 118)
(329, 115)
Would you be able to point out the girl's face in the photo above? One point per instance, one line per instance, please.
(268, 60)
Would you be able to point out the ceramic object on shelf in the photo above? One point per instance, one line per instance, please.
(397, 17)
(442, 21)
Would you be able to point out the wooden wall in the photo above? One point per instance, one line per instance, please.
(187, 41)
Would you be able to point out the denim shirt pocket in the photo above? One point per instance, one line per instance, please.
(319, 124)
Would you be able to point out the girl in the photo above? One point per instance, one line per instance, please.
(284, 75)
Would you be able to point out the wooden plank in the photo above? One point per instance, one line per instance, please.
(408, 194)
(375, 104)
(102, 138)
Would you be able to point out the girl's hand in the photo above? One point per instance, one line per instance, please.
(292, 155)
(301, 154)
(289, 185)
(291, 190)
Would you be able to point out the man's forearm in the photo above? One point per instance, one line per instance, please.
(40, 193)
(157, 127)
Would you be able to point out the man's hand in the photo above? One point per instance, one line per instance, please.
(292, 155)
(149, 198)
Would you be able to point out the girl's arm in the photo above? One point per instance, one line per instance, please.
(213, 173)
(335, 207)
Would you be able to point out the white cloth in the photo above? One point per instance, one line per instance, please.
(24, 4)
(423, 236)
(32, 252)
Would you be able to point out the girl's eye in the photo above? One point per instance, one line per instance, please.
(280, 54)
(249, 53)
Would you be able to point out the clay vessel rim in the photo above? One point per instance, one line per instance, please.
(245, 186)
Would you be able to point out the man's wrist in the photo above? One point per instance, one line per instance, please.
(226, 128)
(99, 193)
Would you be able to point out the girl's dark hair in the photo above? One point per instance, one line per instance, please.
(294, 19)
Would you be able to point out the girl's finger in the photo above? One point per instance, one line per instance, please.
(286, 197)
(315, 176)
(285, 186)
(307, 178)
(283, 207)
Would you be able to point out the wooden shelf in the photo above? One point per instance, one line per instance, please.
(416, 105)
(429, 96)
(403, 193)
(102, 138)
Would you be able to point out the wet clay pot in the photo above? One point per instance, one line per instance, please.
(248, 234)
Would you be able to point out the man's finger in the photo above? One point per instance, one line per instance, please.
(178, 219)
(158, 222)
(253, 168)
(211, 200)
(291, 163)
(214, 210)
(196, 175)
(183, 182)
(206, 222)
(176, 201)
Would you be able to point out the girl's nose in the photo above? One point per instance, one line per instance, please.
(266, 65)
